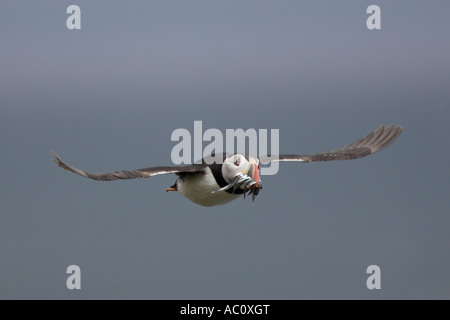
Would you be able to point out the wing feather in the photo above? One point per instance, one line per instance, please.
(125, 174)
(371, 143)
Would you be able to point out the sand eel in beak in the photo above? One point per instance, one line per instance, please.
(209, 183)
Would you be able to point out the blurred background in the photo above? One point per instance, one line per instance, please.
(108, 97)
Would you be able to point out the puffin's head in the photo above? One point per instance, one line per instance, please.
(241, 173)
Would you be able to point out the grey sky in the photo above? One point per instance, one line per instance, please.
(107, 97)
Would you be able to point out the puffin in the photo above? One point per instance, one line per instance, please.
(212, 183)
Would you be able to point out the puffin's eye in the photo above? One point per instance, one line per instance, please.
(237, 162)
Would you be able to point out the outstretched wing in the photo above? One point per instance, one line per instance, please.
(133, 174)
(371, 143)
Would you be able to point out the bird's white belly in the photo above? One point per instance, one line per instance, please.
(199, 188)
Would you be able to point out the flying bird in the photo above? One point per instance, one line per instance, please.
(210, 183)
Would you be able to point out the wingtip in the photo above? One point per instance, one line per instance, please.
(61, 163)
(396, 128)
(386, 136)
(57, 159)
(393, 127)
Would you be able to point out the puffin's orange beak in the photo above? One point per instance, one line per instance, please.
(254, 174)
